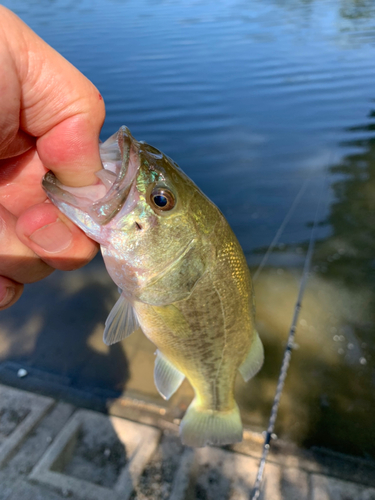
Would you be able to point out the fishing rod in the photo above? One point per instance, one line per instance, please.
(290, 342)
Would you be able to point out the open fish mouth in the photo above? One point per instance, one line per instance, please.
(101, 201)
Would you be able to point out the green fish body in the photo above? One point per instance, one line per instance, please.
(183, 279)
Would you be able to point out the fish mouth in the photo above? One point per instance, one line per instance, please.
(120, 156)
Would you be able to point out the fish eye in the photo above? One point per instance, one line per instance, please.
(163, 199)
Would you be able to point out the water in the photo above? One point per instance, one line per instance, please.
(251, 99)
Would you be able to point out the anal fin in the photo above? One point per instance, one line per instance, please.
(254, 360)
(167, 377)
(120, 323)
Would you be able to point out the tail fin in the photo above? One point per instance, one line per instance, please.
(201, 427)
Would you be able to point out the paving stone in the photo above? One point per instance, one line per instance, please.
(20, 412)
(96, 457)
(39, 440)
(163, 470)
(221, 475)
(183, 473)
(26, 491)
(30, 452)
(328, 488)
(8, 486)
(58, 452)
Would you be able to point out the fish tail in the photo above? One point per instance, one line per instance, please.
(201, 427)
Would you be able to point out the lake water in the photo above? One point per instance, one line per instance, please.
(253, 100)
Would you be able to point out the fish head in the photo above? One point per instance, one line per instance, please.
(150, 219)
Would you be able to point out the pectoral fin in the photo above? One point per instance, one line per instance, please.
(167, 377)
(254, 359)
(120, 323)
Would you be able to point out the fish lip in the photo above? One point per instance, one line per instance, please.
(52, 186)
(105, 208)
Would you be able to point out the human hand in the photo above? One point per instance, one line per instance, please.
(50, 119)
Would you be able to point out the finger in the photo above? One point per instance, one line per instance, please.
(54, 238)
(19, 143)
(20, 182)
(10, 292)
(59, 105)
(71, 150)
(17, 261)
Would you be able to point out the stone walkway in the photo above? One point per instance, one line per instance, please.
(52, 450)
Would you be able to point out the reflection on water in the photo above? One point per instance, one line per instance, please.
(251, 99)
(330, 389)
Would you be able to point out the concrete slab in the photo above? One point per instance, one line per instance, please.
(7, 486)
(182, 479)
(37, 442)
(216, 474)
(164, 472)
(96, 457)
(20, 412)
(294, 484)
(84, 455)
(26, 491)
(14, 473)
(328, 488)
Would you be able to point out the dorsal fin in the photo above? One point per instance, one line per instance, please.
(120, 323)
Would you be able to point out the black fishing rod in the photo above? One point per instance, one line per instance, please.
(256, 491)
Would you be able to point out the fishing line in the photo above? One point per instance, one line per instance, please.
(281, 229)
(288, 350)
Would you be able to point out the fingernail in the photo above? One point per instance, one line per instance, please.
(53, 238)
(6, 295)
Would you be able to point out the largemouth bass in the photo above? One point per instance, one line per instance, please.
(182, 275)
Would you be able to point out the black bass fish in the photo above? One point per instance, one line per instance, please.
(183, 279)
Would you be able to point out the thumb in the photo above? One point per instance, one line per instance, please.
(60, 106)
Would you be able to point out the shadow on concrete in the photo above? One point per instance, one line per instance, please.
(55, 332)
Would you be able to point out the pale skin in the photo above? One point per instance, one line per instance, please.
(50, 119)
